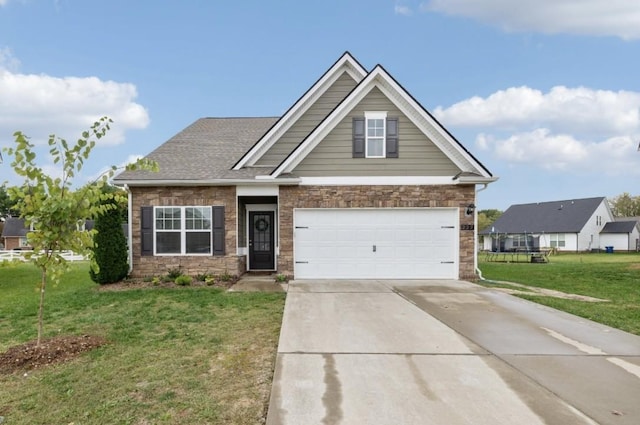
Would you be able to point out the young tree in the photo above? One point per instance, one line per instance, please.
(54, 208)
(110, 244)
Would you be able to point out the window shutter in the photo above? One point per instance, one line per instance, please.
(358, 137)
(392, 138)
(218, 230)
(146, 229)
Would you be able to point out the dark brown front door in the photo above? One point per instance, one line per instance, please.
(261, 240)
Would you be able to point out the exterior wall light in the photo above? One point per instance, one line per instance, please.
(469, 210)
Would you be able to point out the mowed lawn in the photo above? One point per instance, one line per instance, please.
(615, 277)
(186, 355)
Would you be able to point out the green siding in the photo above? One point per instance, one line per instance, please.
(418, 156)
(308, 121)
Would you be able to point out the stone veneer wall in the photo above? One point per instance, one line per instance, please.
(190, 264)
(458, 196)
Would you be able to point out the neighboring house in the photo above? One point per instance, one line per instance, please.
(621, 235)
(14, 233)
(355, 180)
(568, 225)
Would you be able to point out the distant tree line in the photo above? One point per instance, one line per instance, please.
(625, 205)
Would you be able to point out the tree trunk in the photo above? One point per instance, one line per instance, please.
(43, 285)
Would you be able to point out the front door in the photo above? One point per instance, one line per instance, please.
(261, 240)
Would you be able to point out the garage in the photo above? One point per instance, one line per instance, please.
(374, 243)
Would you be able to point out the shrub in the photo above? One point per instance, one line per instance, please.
(281, 278)
(110, 248)
(183, 280)
(174, 273)
(202, 277)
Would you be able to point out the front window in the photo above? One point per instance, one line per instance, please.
(23, 242)
(375, 136)
(183, 230)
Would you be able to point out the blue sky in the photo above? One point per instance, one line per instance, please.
(545, 93)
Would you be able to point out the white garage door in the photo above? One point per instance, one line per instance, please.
(376, 243)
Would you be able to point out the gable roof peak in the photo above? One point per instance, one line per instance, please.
(396, 93)
(345, 63)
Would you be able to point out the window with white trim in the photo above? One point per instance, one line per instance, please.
(556, 240)
(375, 126)
(182, 230)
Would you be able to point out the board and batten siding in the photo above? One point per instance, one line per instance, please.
(418, 156)
(308, 121)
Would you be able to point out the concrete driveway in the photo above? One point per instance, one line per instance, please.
(445, 352)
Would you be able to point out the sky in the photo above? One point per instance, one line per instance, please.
(544, 93)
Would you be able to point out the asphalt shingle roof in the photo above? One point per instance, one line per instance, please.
(206, 150)
(619, 227)
(14, 227)
(568, 216)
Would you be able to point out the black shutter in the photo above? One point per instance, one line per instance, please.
(146, 229)
(358, 137)
(392, 138)
(218, 230)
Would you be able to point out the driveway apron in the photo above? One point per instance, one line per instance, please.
(445, 352)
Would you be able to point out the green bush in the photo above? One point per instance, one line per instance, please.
(110, 248)
(174, 273)
(183, 280)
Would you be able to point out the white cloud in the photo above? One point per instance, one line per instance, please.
(542, 149)
(402, 9)
(7, 60)
(620, 18)
(576, 130)
(3, 2)
(577, 110)
(39, 105)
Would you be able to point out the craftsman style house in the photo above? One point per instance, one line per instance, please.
(355, 180)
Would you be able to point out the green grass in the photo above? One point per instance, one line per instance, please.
(185, 355)
(615, 277)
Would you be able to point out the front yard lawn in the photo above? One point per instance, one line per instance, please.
(615, 277)
(185, 355)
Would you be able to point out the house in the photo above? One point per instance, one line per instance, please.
(568, 225)
(355, 180)
(14, 233)
(621, 235)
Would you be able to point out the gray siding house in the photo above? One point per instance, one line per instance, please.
(355, 180)
(567, 225)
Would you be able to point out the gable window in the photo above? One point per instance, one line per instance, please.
(183, 230)
(375, 136)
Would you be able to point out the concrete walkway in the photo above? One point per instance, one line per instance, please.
(445, 352)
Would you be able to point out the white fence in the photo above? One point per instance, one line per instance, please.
(19, 256)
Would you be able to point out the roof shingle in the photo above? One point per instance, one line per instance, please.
(568, 216)
(206, 150)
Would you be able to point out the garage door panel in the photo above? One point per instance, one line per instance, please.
(409, 243)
